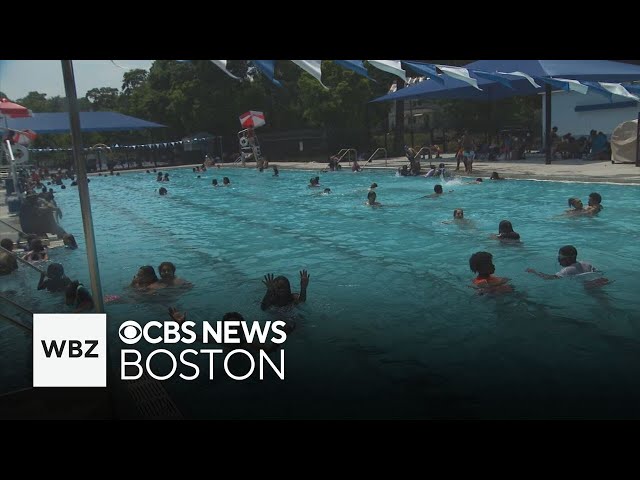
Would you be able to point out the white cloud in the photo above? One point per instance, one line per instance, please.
(19, 77)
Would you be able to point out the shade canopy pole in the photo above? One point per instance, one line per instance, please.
(83, 185)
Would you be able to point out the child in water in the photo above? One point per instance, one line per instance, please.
(38, 251)
(69, 241)
(57, 281)
(506, 232)
(482, 264)
(279, 291)
(78, 297)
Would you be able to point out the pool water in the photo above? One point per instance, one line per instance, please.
(391, 327)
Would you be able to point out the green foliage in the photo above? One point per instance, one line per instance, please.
(198, 96)
(35, 101)
(105, 98)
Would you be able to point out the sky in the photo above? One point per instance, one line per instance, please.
(19, 77)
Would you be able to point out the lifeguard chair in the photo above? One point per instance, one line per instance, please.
(248, 140)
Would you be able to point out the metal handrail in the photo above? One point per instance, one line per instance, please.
(345, 151)
(374, 154)
(341, 152)
(420, 151)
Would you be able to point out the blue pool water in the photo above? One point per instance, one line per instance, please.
(391, 328)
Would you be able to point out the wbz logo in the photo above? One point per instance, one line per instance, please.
(69, 350)
(75, 348)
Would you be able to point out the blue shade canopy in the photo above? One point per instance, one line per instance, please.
(89, 122)
(267, 67)
(594, 70)
(452, 89)
(355, 65)
(425, 69)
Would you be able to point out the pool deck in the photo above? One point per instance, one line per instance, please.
(533, 168)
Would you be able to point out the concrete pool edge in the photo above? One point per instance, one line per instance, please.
(534, 168)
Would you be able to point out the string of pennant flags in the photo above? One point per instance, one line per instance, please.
(436, 72)
(126, 147)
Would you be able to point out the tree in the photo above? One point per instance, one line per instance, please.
(105, 98)
(35, 101)
(133, 79)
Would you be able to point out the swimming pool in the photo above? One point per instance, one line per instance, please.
(391, 328)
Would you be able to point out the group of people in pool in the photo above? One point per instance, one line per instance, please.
(577, 208)
(279, 292)
(54, 279)
(146, 279)
(481, 263)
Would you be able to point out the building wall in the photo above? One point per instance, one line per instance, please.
(422, 115)
(564, 116)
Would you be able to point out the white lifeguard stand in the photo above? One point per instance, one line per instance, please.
(247, 138)
(249, 145)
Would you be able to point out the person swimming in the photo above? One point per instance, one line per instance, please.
(214, 182)
(166, 177)
(482, 264)
(594, 203)
(433, 171)
(159, 179)
(146, 279)
(373, 186)
(78, 297)
(505, 232)
(327, 191)
(168, 275)
(568, 260)
(495, 176)
(576, 206)
(276, 172)
(8, 261)
(37, 251)
(163, 191)
(226, 182)
(371, 200)
(57, 281)
(437, 191)
(69, 241)
(279, 291)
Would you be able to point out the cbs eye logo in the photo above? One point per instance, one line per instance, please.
(130, 332)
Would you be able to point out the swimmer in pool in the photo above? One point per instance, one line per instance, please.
(371, 200)
(54, 280)
(146, 279)
(78, 297)
(168, 276)
(482, 264)
(279, 291)
(506, 233)
(575, 207)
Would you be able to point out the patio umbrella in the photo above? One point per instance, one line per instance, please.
(252, 119)
(13, 110)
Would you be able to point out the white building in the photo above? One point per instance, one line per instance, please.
(578, 114)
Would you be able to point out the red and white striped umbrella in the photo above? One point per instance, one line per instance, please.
(252, 119)
(24, 137)
(13, 110)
